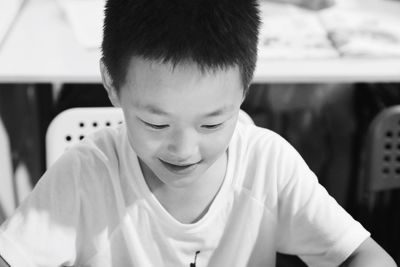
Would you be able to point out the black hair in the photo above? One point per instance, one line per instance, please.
(214, 34)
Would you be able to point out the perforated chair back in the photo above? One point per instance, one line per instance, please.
(380, 199)
(383, 152)
(72, 125)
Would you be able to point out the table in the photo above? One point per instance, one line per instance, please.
(41, 48)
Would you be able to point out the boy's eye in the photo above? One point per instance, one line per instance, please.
(212, 126)
(155, 126)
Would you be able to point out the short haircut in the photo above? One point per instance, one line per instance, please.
(214, 34)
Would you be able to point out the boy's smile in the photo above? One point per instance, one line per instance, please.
(180, 120)
(182, 168)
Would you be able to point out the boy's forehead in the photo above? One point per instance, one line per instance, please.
(156, 83)
(139, 65)
(144, 74)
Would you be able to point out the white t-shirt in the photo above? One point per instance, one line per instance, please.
(94, 208)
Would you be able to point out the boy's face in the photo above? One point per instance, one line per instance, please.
(179, 120)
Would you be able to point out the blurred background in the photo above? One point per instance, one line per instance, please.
(326, 69)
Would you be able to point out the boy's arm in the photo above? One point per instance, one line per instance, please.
(369, 254)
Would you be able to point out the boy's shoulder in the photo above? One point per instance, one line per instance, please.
(94, 164)
(263, 162)
(258, 139)
(96, 152)
(257, 148)
(107, 140)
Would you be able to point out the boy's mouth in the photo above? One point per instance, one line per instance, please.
(180, 168)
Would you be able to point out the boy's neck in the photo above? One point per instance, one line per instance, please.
(197, 197)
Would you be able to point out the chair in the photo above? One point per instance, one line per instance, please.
(379, 186)
(72, 125)
(382, 155)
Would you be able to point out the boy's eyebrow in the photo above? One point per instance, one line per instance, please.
(155, 110)
(220, 111)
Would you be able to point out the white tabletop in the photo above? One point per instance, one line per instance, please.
(41, 47)
(331, 70)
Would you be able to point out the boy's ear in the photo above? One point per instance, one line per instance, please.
(108, 85)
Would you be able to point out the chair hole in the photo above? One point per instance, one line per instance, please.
(387, 158)
(68, 138)
(385, 170)
(81, 137)
(389, 134)
(94, 124)
(108, 123)
(120, 122)
(397, 170)
(81, 124)
(398, 146)
(388, 146)
(398, 158)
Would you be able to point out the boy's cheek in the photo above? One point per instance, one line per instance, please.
(217, 144)
(142, 143)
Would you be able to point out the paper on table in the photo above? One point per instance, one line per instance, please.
(8, 12)
(365, 30)
(290, 32)
(86, 20)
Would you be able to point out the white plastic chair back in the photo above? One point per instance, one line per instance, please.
(72, 125)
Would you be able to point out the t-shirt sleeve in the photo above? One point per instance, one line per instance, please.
(311, 223)
(42, 231)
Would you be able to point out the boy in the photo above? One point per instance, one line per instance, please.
(182, 183)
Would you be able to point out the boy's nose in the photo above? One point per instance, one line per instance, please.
(183, 146)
